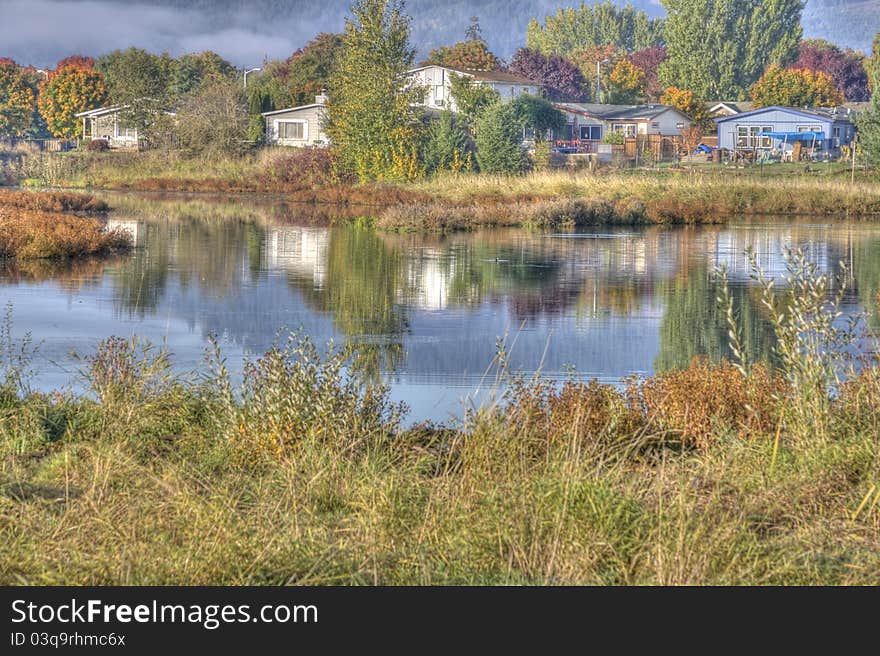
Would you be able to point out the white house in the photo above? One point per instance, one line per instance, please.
(298, 126)
(438, 82)
(588, 123)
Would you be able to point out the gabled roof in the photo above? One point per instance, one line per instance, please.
(821, 113)
(734, 107)
(484, 76)
(618, 112)
(292, 109)
(100, 111)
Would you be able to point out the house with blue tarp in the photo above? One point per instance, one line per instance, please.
(777, 130)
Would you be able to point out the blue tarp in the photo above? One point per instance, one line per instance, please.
(791, 137)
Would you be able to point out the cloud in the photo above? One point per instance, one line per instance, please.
(40, 32)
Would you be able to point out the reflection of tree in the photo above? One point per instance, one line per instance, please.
(694, 324)
(361, 286)
(139, 284)
(866, 272)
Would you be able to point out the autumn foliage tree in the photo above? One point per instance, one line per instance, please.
(16, 100)
(471, 55)
(795, 88)
(649, 61)
(846, 67)
(687, 102)
(626, 82)
(73, 87)
(561, 78)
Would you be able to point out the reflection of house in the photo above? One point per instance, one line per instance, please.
(108, 123)
(778, 128)
(297, 126)
(134, 228)
(437, 80)
(428, 281)
(729, 249)
(298, 250)
(588, 123)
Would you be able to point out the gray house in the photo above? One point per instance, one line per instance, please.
(298, 126)
(776, 129)
(587, 124)
(105, 123)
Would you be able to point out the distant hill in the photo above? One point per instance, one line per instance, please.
(39, 31)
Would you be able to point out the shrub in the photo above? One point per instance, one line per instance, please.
(34, 235)
(98, 145)
(298, 168)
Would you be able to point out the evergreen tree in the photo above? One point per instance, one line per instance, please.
(499, 139)
(373, 117)
(448, 145)
(719, 48)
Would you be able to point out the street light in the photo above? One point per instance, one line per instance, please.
(598, 78)
(250, 70)
(44, 72)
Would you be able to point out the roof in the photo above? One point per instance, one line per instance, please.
(735, 107)
(821, 113)
(292, 109)
(485, 76)
(101, 111)
(618, 112)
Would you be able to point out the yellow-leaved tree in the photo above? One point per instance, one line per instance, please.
(72, 88)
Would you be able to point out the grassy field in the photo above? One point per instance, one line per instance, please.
(716, 474)
(43, 225)
(697, 193)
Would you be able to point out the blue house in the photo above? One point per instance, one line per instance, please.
(775, 130)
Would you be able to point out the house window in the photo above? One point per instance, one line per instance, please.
(809, 128)
(627, 129)
(292, 130)
(747, 136)
(591, 133)
(123, 132)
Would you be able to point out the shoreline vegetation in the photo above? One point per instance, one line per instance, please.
(717, 473)
(55, 226)
(545, 199)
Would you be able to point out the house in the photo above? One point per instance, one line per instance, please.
(822, 129)
(728, 108)
(105, 123)
(108, 123)
(588, 123)
(298, 126)
(438, 82)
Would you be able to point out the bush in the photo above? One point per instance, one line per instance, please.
(97, 145)
(298, 168)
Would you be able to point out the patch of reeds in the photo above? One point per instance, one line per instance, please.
(52, 201)
(29, 234)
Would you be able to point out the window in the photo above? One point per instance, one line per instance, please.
(747, 136)
(809, 128)
(627, 129)
(291, 130)
(591, 132)
(123, 132)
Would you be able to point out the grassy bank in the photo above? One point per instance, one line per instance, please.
(549, 199)
(44, 226)
(715, 474)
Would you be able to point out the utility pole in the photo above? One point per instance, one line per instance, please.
(599, 78)
(250, 70)
(854, 146)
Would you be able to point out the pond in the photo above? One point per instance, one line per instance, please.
(427, 311)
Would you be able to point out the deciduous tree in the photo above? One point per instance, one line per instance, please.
(470, 98)
(869, 121)
(719, 48)
(626, 83)
(470, 55)
(214, 117)
(846, 67)
(373, 110)
(795, 88)
(16, 100)
(70, 89)
(649, 61)
(561, 78)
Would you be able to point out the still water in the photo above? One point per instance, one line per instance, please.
(427, 310)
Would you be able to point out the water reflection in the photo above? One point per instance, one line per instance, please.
(425, 311)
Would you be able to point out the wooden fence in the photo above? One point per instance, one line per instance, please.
(42, 145)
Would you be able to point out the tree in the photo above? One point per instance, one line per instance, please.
(846, 67)
(16, 100)
(687, 102)
(499, 139)
(373, 114)
(586, 59)
(474, 32)
(795, 88)
(719, 48)
(603, 24)
(190, 70)
(869, 122)
(76, 61)
(71, 88)
(649, 61)
(214, 118)
(306, 73)
(626, 83)
(140, 81)
(539, 115)
(470, 55)
(561, 78)
(448, 145)
(872, 66)
(471, 98)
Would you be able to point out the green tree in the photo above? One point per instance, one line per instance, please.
(471, 98)
(448, 145)
(16, 100)
(869, 121)
(373, 114)
(604, 24)
(140, 81)
(188, 71)
(538, 115)
(499, 140)
(214, 117)
(719, 48)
